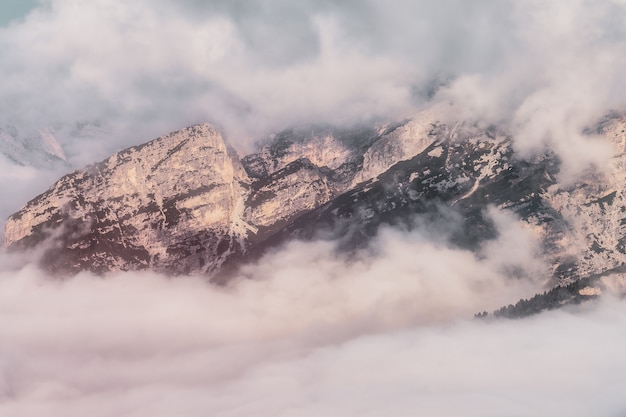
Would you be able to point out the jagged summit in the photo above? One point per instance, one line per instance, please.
(187, 203)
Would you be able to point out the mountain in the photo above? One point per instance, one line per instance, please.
(187, 203)
(38, 149)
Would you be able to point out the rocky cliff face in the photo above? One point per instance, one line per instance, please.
(172, 204)
(186, 203)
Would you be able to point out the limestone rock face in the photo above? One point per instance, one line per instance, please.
(398, 143)
(186, 203)
(299, 187)
(175, 203)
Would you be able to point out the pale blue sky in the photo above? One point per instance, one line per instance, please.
(14, 9)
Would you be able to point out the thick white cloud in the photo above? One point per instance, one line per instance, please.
(389, 332)
(143, 68)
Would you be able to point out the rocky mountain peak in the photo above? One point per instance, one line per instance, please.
(143, 207)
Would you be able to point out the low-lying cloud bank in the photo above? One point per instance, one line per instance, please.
(138, 345)
(309, 332)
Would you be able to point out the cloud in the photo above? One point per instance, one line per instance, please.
(564, 74)
(142, 69)
(15, 9)
(303, 322)
(146, 68)
(310, 334)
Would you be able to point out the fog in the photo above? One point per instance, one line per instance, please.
(307, 331)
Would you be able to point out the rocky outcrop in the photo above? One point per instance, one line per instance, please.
(173, 204)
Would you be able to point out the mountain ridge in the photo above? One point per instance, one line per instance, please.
(187, 203)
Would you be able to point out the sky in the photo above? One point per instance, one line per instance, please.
(305, 331)
(12, 10)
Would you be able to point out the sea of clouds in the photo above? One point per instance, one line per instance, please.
(306, 332)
